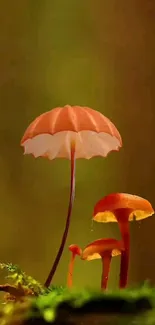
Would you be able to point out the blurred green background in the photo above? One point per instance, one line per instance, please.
(97, 53)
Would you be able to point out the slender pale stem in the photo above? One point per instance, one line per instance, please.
(70, 271)
(64, 237)
(106, 261)
(123, 221)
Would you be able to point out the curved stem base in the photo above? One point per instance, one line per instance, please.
(71, 200)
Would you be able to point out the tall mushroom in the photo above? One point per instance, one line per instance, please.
(123, 208)
(75, 250)
(105, 249)
(70, 132)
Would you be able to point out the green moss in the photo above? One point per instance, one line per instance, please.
(62, 306)
(59, 305)
(19, 277)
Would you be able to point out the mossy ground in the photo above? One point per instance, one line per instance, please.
(62, 306)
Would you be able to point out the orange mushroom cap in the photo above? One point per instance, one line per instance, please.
(96, 249)
(73, 118)
(50, 135)
(75, 249)
(104, 210)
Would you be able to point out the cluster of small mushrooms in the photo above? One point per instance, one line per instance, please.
(75, 132)
(116, 207)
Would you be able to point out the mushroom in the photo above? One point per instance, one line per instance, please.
(70, 132)
(75, 250)
(123, 208)
(104, 249)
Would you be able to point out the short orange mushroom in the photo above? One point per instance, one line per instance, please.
(75, 250)
(104, 249)
(123, 208)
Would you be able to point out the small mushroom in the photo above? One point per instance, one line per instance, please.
(104, 249)
(75, 250)
(122, 208)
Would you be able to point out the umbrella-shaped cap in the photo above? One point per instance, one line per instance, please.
(51, 134)
(75, 249)
(73, 118)
(138, 207)
(96, 249)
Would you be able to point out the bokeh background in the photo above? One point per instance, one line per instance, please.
(97, 53)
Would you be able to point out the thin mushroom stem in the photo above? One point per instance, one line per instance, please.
(70, 206)
(125, 255)
(106, 261)
(70, 271)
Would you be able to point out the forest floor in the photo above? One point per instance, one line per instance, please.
(62, 306)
